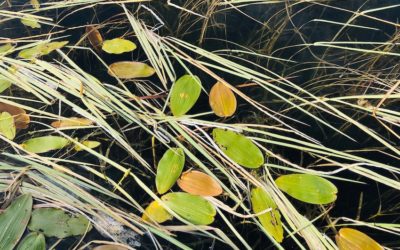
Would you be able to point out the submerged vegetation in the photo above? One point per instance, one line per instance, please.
(195, 124)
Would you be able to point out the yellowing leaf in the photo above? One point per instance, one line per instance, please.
(4, 84)
(21, 119)
(7, 126)
(155, 212)
(41, 49)
(6, 48)
(238, 148)
(351, 239)
(169, 169)
(35, 4)
(31, 22)
(110, 247)
(118, 46)
(222, 100)
(184, 94)
(44, 144)
(72, 122)
(89, 144)
(271, 221)
(94, 37)
(192, 208)
(307, 188)
(199, 183)
(129, 70)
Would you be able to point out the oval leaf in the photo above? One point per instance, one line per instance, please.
(31, 22)
(72, 122)
(35, 4)
(351, 239)
(238, 148)
(45, 144)
(271, 221)
(94, 37)
(89, 144)
(41, 49)
(169, 169)
(222, 100)
(53, 222)
(307, 188)
(4, 84)
(155, 212)
(13, 221)
(7, 126)
(21, 119)
(6, 48)
(33, 241)
(129, 70)
(184, 94)
(118, 46)
(192, 208)
(199, 183)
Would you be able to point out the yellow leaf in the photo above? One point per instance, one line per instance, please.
(199, 183)
(71, 122)
(351, 239)
(118, 46)
(41, 49)
(128, 70)
(89, 144)
(31, 22)
(155, 212)
(222, 100)
(21, 119)
(35, 4)
(7, 126)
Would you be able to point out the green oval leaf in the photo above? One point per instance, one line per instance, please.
(238, 148)
(44, 144)
(4, 83)
(54, 222)
(7, 126)
(129, 70)
(118, 46)
(6, 48)
(308, 188)
(192, 208)
(271, 221)
(33, 241)
(31, 22)
(13, 221)
(184, 94)
(41, 49)
(169, 169)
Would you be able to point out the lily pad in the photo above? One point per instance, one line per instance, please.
(222, 100)
(41, 49)
(352, 239)
(54, 222)
(31, 22)
(199, 183)
(118, 46)
(308, 188)
(7, 126)
(45, 144)
(184, 94)
(238, 148)
(169, 169)
(33, 241)
(156, 212)
(130, 70)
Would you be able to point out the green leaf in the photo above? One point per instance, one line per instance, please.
(184, 94)
(31, 22)
(271, 221)
(118, 46)
(192, 208)
(238, 148)
(169, 169)
(4, 49)
(41, 49)
(7, 125)
(308, 188)
(53, 222)
(33, 241)
(4, 83)
(129, 70)
(13, 221)
(45, 143)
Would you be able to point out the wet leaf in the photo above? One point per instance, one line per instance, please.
(351, 239)
(21, 119)
(4, 49)
(72, 122)
(33, 241)
(41, 49)
(238, 148)
(110, 247)
(192, 208)
(7, 126)
(199, 183)
(4, 84)
(271, 221)
(35, 4)
(54, 222)
(118, 46)
(222, 100)
(31, 22)
(45, 144)
(155, 212)
(13, 221)
(184, 94)
(169, 169)
(89, 144)
(307, 188)
(94, 37)
(129, 70)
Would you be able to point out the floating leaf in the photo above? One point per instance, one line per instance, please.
(238, 148)
(41, 49)
(307, 188)
(110, 247)
(54, 222)
(33, 241)
(155, 212)
(31, 22)
(118, 46)
(35, 4)
(4, 84)
(89, 144)
(72, 122)
(199, 183)
(4, 49)
(192, 208)
(21, 119)
(169, 169)
(222, 100)
(45, 144)
(94, 37)
(351, 239)
(128, 70)
(7, 126)
(13, 221)
(184, 94)
(271, 221)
